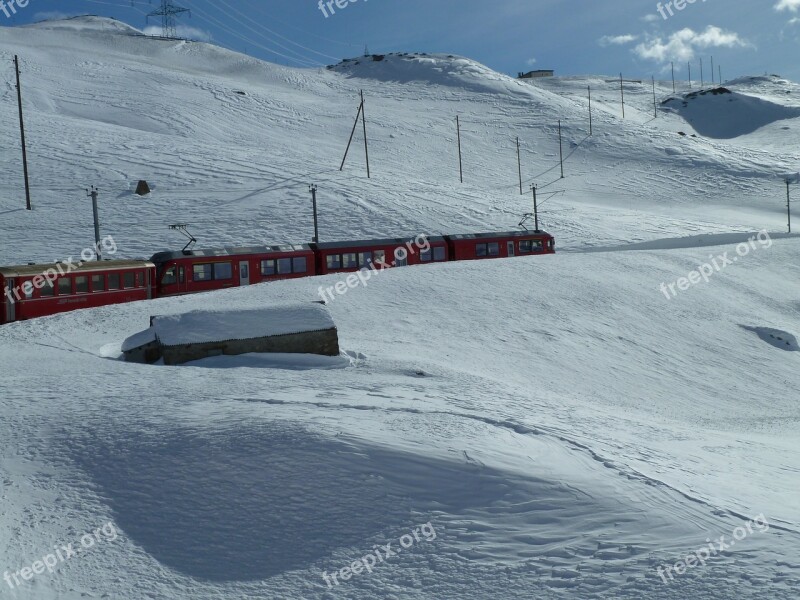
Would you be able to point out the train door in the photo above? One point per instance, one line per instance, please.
(401, 257)
(10, 307)
(244, 273)
(182, 286)
(511, 248)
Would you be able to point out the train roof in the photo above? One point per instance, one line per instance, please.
(375, 242)
(161, 257)
(497, 234)
(88, 267)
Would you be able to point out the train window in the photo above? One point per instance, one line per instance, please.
(525, 246)
(334, 261)
(349, 260)
(284, 266)
(140, 278)
(113, 281)
(223, 270)
(537, 246)
(169, 278)
(128, 280)
(98, 283)
(27, 289)
(364, 259)
(481, 250)
(47, 290)
(64, 286)
(439, 254)
(426, 255)
(82, 285)
(268, 267)
(181, 275)
(299, 265)
(494, 249)
(202, 272)
(379, 257)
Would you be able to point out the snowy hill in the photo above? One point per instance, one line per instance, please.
(559, 427)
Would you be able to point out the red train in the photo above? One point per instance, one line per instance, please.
(32, 291)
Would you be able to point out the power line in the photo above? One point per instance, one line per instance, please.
(169, 13)
(236, 10)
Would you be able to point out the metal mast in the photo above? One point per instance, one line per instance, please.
(168, 13)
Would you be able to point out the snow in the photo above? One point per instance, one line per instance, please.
(565, 427)
(720, 113)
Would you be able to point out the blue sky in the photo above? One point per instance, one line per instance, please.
(570, 36)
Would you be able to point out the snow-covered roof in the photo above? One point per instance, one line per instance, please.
(203, 326)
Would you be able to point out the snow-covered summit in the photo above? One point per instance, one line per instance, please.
(86, 23)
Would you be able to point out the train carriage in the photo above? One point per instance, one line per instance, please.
(479, 246)
(30, 291)
(351, 256)
(195, 271)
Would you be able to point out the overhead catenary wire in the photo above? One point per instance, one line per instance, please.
(203, 15)
(275, 33)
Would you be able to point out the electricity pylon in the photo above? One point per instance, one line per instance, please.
(168, 13)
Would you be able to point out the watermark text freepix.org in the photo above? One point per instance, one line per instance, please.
(376, 265)
(62, 268)
(61, 554)
(706, 270)
(9, 7)
(679, 5)
(713, 549)
(380, 554)
(327, 6)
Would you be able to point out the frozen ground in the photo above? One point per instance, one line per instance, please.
(562, 426)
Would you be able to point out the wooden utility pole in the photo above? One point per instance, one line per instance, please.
(702, 79)
(519, 168)
(22, 136)
(93, 195)
(560, 151)
(352, 133)
(590, 110)
(788, 205)
(364, 123)
(313, 189)
(622, 93)
(535, 209)
(655, 104)
(673, 77)
(460, 164)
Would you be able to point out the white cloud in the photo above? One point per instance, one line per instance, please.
(617, 40)
(790, 5)
(183, 31)
(531, 62)
(683, 44)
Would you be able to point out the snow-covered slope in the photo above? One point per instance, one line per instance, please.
(553, 427)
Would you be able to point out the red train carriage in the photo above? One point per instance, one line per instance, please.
(479, 246)
(342, 257)
(32, 291)
(195, 271)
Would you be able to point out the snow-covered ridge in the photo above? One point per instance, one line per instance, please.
(86, 23)
(445, 70)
